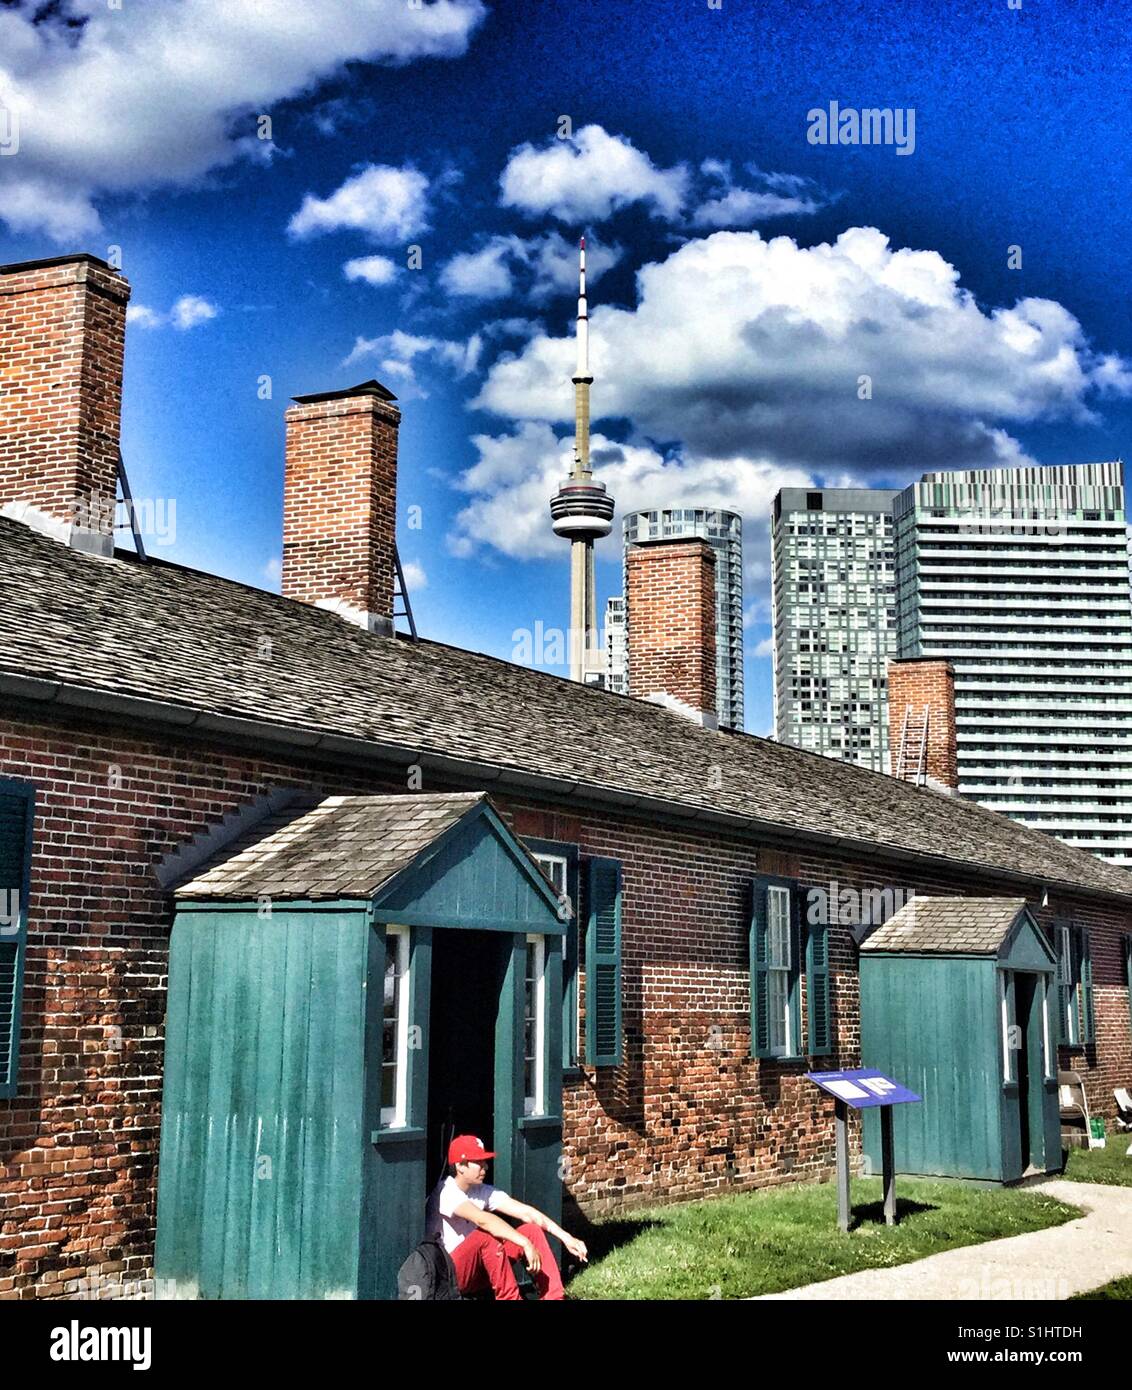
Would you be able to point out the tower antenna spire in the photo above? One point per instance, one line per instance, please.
(581, 511)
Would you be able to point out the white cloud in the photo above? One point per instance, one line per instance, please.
(190, 310)
(143, 316)
(536, 267)
(512, 328)
(555, 262)
(415, 577)
(482, 274)
(728, 205)
(586, 178)
(533, 267)
(511, 484)
(388, 204)
(374, 270)
(740, 346)
(764, 648)
(396, 354)
(163, 93)
(186, 312)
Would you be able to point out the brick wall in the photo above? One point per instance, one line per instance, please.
(917, 686)
(62, 341)
(340, 504)
(671, 618)
(688, 1114)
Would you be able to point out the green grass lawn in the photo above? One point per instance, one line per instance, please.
(779, 1238)
(1118, 1289)
(1112, 1164)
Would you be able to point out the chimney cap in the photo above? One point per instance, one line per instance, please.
(364, 388)
(77, 257)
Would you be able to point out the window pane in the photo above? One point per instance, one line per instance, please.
(389, 1029)
(778, 928)
(530, 1025)
(778, 996)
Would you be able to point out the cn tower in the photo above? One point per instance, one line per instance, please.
(582, 512)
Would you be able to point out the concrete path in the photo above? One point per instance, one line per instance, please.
(1069, 1259)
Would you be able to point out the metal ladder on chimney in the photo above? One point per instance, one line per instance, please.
(909, 732)
(127, 499)
(402, 593)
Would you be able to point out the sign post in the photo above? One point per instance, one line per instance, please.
(863, 1089)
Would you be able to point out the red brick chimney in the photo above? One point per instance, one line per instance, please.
(62, 341)
(922, 690)
(670, 620)
(340, 503)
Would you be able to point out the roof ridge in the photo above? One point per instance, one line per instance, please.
(185, 641)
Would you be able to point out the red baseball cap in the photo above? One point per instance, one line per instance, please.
(466, 1148)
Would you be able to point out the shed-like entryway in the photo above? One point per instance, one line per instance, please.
(957, 1003)
(348, 984)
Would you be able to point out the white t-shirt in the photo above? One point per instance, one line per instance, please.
(446, 1197)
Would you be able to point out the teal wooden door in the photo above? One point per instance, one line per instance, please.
(528, 1073)
(394, 1187)
(261, 1127)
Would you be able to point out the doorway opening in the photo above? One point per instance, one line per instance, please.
(1029, 1062)
(467, 976)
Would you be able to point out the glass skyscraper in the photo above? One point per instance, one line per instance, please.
(834, 622)
(1019, 577)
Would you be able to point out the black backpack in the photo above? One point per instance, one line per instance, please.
(428, 1273)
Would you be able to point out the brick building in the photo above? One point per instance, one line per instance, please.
(151, 716)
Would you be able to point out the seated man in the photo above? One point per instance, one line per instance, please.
(462, 1210)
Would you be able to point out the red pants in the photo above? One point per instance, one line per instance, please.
(482, 1260)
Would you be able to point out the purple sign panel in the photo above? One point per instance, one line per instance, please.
(862, 1088)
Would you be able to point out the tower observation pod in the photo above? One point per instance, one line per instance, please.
(582, 512)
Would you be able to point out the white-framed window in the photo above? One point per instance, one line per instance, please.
(395, 1030)
(780, 966)
(1004, 1010)
(534, 1028)
(557, 868)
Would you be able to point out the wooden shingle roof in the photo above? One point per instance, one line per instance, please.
(950, 926)
(207, 653)
(344, 847)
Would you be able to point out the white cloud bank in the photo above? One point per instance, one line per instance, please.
(516, 474)
(746, 357)
(163, 93)
(744, 346)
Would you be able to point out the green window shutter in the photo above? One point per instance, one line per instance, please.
(760, 968)
(819, 1020)
(760, 975)
(16, 802)
(603, 963)
(795, 974)
(1128, 973)
(1064, 968)
(1088, 1016)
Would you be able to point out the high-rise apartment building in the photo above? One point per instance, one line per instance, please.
(723, 530)
(616, 659)
(1019, 577)
(834, 624)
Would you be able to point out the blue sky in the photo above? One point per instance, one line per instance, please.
(776, 272)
